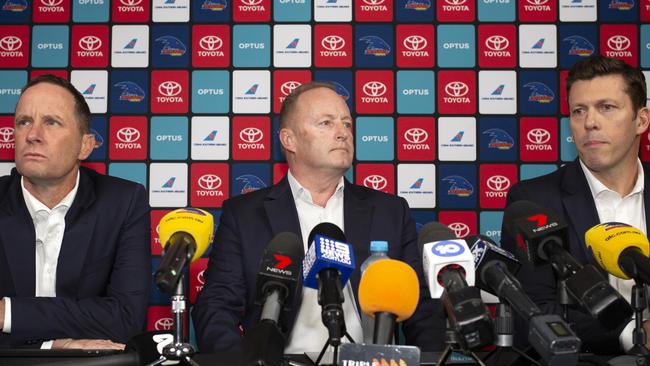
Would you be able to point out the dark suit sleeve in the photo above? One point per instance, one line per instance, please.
(541, 286)
(426, 328)
(119, 312)
(220, 306)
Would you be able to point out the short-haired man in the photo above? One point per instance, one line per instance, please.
(608, 115)
(75, 261)
(316, 135)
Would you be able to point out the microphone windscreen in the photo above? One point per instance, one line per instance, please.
(196, 222)
(516, 210)
(434, 231)
(608, 240)
(287, 243)
(390, 286)
(326, 229)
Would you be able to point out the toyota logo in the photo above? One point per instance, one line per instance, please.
(210, 43)
(498, 183)
(164, 324)
(375, 182)
(251, 2)
(460, 229)
(251, 135)
(416, 135)
(90, 43)
(333, 43)
(51, 2)
(538, 136)
(497, 43)
(455, 2)
(209, 182)
(373, 2)
(618, 43)
(537, 2)
(456, 89)
(288, 87)
(199, 277)
(128, 134)
(10, 43)
(130, 2)
(169, 88)
(415, 42)
(6, 134)
(374, 89)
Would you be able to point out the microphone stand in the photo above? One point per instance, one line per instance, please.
(504, 323)
(639, 303)
(453, 341)
(335, 344)
(564, 299)
(179, 349)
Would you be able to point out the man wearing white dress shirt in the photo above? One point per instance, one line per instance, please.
(316, 136)
(608, 117)
(74, 244)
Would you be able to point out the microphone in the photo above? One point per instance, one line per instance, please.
(541, 236)
(389, 292)
(185, 234)
(449, 272)
(328, 263)
(621, 250)
(277, 281)
(551, 337)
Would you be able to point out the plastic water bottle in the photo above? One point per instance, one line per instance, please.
(378, 251)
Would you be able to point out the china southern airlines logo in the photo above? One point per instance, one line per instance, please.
(169, 183)
(375, 46)
(131, 92)
(540, 93)
(251, 183)
(15, 5)
(252, 90)
(499, 90)
(580, 46)
(212, 5)
(211, 136)
(417, 184)
(458, 186)
(293, 44)
(458, 137)
(131, 44)
(419, 5)
(89, 90)
(539, 44)
(499, 139)
(172, 46)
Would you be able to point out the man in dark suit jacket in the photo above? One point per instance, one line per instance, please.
(99, 289)
(317, 140)
(608, 116)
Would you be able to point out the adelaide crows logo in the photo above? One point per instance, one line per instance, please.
(251, 183)
(375, 46)
(540, 93)
(341, 90)
(419, 5)
(131, 92)
(458, 186)
(213, 5)
(499, 139)
(172, 46)
(15, 5)
(580, 46)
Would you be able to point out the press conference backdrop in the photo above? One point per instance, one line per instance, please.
(454, 100)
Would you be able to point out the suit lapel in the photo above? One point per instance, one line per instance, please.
(357, 218)
(281, 209)
(18, 239)
(580, 207)
(79, 227)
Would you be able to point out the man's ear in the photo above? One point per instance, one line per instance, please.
(288, 139)
(642, 120)
(87, 146)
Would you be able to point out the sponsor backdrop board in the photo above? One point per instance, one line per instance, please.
(454, 100)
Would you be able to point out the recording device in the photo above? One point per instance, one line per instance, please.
(621, 250)
(389, 292)
(185, 234)
(277, 288)
(449, 271)
(548, 334)
(541, 236)
(328, 263)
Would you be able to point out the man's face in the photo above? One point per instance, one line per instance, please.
(320, 131)
(48, 139)
(604, 124)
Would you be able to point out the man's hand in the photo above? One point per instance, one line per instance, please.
(69, 343)
(646, 327)
(2, 313)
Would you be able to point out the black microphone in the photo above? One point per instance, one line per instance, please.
(449, 268)
(541, 237)
(327, 266)
(277, 287)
